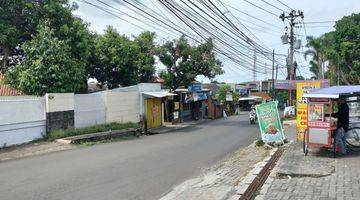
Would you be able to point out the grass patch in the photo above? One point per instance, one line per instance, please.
(259, 143)
(91, 129)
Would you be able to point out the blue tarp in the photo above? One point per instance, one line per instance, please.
(334, 92)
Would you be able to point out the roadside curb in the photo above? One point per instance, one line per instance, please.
(171, 128)
(96, 136)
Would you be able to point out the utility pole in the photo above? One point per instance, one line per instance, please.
(272, 75)
(265, 71)
(254, 72)
(291, 17)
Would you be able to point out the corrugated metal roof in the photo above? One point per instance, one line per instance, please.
(159, 94)
(334, 92)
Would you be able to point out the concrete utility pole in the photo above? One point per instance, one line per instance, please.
(291, 17)
(272, 75)
(254, 72)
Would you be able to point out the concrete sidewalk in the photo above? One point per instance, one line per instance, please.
(316, 176)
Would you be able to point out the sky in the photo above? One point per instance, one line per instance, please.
(268, 33)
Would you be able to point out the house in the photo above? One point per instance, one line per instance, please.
(193, 102)
(152, 105)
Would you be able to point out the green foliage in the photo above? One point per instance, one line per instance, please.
(48, 66)
(120, 61)
(92, 129)
(281, 95)
(145, 56)
(340, 48)
(221, 95)
(23, 22)
(223, 89)
(185, 62)
(259, 143)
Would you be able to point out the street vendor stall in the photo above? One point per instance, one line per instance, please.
(321, 124)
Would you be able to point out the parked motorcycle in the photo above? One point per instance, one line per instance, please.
(252, 116)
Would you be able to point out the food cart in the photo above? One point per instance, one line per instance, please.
(321, 125)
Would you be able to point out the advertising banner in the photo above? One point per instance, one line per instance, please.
(301, 106)
(269, 122)
(292, 85)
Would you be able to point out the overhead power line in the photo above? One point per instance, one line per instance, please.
(261, 8)
(320, 22)
(273, 6)
(284, 4)
(249, 15)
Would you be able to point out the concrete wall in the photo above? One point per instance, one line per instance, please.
(89, 109)
(22, 119)
(59, 111)
(122, 107)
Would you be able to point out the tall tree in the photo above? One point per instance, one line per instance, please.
(344, 49)
(341, 50)
(145, 59)
(20, 19)
(48, 66)
(116, 56)
(185, 62)
(316, 51)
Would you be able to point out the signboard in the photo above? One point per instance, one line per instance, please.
(316, 112)
(195, 96)
(292, 85)
(176, 115)
(176, 106)
(301, 106)
(229, 96)
(195, 87)
(269, 122)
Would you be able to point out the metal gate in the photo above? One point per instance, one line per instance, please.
(153, 112)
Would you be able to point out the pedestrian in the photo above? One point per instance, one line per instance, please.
(342, 124)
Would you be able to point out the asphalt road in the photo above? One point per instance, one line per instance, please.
(145, 168)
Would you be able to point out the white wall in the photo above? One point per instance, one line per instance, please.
(89, 109)
(22, 119)
(122, 107)
(56, 102)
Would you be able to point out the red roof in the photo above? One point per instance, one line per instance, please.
(265, 96)
(6, 90)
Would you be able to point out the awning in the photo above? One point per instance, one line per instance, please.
(159, 94)
(334, 92)
(250, 98)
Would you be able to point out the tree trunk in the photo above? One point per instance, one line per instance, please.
(319, 61)
(5, 60)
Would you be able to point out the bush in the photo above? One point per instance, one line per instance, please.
(259, 143)
(92, 129)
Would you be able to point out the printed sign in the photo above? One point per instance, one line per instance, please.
(292, 85)
(269, 122)
(176, 115)
(229, 96)
(176, 106)
(195, 87)
(301, 105)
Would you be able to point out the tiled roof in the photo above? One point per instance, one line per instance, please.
(6, 90)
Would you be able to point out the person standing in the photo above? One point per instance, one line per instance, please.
(342, 124)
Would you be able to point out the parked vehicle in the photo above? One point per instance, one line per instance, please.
(252, 115)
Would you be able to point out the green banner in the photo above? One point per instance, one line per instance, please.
(269, 122)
